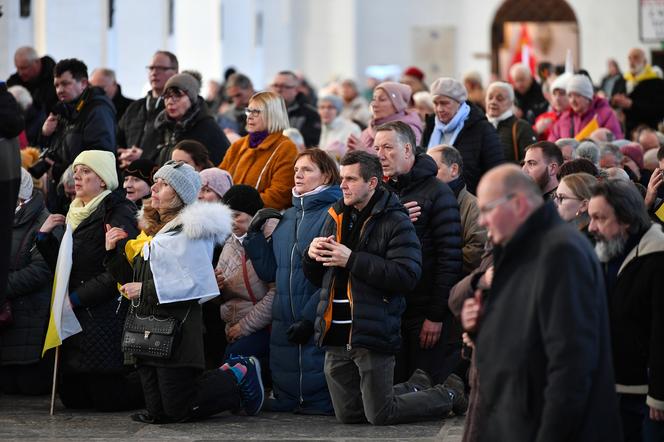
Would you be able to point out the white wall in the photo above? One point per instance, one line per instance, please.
(320, 38)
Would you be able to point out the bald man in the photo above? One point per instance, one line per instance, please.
(543, 350)
(644, 102)
(529, 99)
(36, 75)
(105, 79)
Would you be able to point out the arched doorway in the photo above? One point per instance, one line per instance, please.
(550, 25)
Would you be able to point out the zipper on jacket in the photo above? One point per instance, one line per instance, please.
(349, 347)
(290, 294)
(300, 355)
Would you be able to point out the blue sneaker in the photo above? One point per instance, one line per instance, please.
(251, 387)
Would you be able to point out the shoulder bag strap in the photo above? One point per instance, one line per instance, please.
(245, 275)
(514, 143)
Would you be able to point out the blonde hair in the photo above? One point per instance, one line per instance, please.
(580, 184)
(274, 110)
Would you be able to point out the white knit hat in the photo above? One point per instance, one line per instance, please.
(182, 178)
(581, 85)
(561, 82)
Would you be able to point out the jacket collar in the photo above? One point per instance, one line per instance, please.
(651, 242)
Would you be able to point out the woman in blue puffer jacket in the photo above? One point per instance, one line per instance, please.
(297, 365)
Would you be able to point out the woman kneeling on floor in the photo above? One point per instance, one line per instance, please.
(167, 272)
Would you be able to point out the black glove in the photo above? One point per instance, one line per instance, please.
(261, 216)
(300, 332)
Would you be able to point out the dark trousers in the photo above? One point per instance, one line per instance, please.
(636, 422)
(360, 383)
(32, 379)
(102, 392)
(439, 361)
(256, 344)
(181, 394)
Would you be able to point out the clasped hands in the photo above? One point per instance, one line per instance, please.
(329, 252)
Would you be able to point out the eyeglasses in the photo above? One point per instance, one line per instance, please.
(173, 94)
(558, 198)
(252, 112)
(282, 86)
(495, 203)
(159, 68)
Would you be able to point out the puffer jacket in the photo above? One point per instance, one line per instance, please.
(28, 288)
(102, 310)
(297, 370)
(385, 267)
(237, 305)
(478, 144)
(209, 222)
(438, 229)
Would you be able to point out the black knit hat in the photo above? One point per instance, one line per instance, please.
(143, 169)
(243, 198)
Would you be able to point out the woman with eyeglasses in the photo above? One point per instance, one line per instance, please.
(572, 198)
(264, 158)
(185, 117)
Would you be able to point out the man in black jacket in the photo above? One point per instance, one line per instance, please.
(543, 349)
(36, 75)
(368, 259)
(632, 251)
(427, 325)
(137, 135)
(105, 79)
(530, 100)
(84, 119)
(302, 116)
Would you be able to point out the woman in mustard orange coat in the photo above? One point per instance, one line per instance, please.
(264, 158)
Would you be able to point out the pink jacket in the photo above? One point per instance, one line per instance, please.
(569, 124)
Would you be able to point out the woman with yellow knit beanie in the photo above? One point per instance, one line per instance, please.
(92, 363)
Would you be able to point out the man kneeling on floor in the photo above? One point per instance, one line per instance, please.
(369, 257)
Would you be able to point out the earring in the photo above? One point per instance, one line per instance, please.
(578, 212)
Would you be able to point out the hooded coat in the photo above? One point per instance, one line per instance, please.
(209, 221)
(297, 370)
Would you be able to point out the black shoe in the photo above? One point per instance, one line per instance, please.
(456, 389)
(143, 418)
(420, 379)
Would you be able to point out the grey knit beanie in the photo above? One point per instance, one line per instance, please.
(186, 83)
(182, 178)
(449, 87)
(581, 85)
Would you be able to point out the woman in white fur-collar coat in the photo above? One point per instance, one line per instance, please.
(167, 272)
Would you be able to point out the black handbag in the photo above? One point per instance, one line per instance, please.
(150, 336)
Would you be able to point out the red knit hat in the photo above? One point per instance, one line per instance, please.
(634, 152)
(414, 72)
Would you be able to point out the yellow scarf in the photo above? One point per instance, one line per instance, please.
(78, 211)
(647, 74)
(134, 247)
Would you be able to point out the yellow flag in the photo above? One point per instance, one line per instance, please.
(660, 213)
(588, 130)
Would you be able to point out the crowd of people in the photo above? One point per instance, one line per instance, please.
(443, 248)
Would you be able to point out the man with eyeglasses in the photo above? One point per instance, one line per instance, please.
(541, 163)
(239, 89)
(541, 333)
(137, 136)
(301, 115)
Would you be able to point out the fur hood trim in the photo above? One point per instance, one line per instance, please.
(201, 220)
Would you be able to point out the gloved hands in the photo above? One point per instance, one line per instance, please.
(300, 332)
(261, 216)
